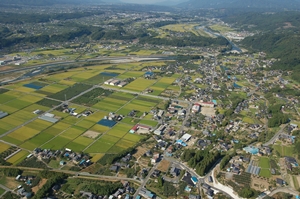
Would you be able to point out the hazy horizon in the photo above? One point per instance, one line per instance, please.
(152, 1)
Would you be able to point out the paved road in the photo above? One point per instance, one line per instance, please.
(145, 181)
(284, 190)
(6, 190)
(275, 137)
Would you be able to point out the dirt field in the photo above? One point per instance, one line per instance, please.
(40, 185)
(259, 183)
(207, 111)
(163, 166)
(91, 134)
(2, 68)
(141, 150)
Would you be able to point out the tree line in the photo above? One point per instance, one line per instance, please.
(200, 160)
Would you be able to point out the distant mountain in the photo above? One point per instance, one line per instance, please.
(244, 4)
(171, 3)
(46, 2)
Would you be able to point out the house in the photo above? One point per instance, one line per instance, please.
(207, 104)
(182, 112)
(175, 171)
(206, 186)
(155, 158)
(292, 161)
(114, 168)
(122, 84)
(280, 182)
(195, 108)
(115, 82)
(186, 137)
(147, 194)
(210, 192)
(56, 188)
(194, 197)
(3, 114)
(149, 74)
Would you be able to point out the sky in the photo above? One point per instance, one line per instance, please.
(149, 1)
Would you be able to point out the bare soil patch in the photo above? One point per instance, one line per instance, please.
(259, 183)
(288, 25)
(207, 111)
(40, 185)
(163, 166)
(2, 68)
(91, 134)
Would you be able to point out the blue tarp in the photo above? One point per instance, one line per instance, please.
(33, 86)
(108, 123)
(236, 85)
(149, 73)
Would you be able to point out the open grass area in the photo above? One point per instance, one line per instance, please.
(18, 104)
(221, 28)
(264, 162)
(57, 143)
(72, 132)
(54, 88)
(39, 124)
(132, 137)
(37, 141)
(125, 144)
(284, 150)
(79, 144)
(103, 144)
(139, 84)
(19, 157)
(96, 156)
(85, 124)
(99, 128)
(152, 123)
(265, 173)
(6, 98)
(57, 128)
(3, 147)
(97, 116)
(21, 134)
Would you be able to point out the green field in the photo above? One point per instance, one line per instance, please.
(284, 150)
(264, 164)
(3, 147)
(103, 144)
(17, 158)
(79, 144)
(20, 135)
(37, 141)
(139, 84)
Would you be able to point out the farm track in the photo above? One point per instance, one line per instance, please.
(76, 174)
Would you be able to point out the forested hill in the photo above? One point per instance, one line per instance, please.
(45, 2)
(281, 21)
(243, 4)
(278, 36)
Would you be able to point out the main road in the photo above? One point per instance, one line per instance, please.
(61, 63)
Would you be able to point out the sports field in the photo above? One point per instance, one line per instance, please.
(264, 164)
